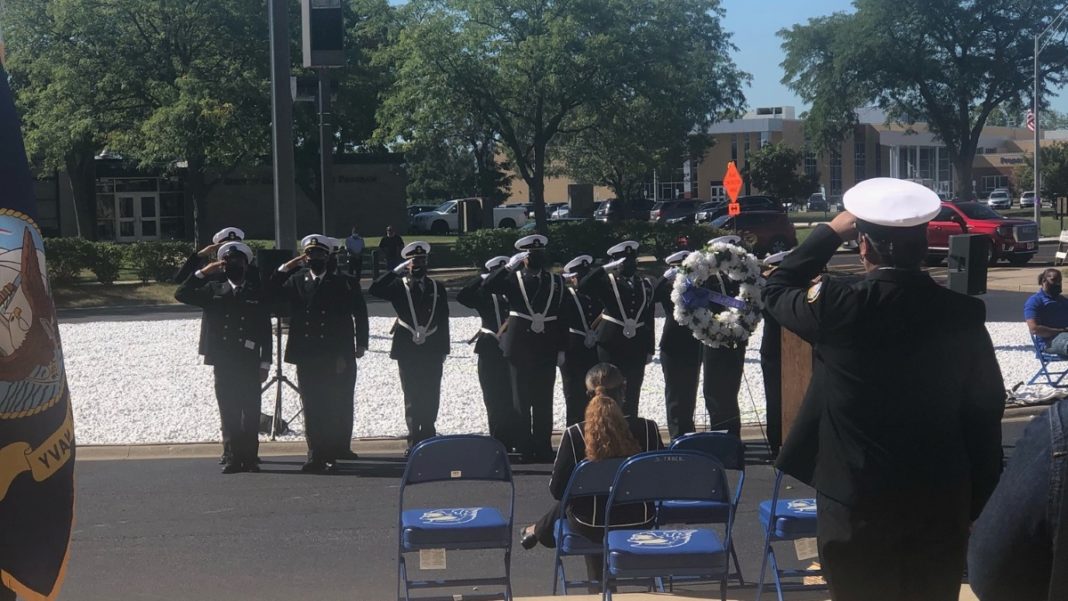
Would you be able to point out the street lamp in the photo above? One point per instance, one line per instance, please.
(1056, 23)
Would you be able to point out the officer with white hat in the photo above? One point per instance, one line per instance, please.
(680, 355)
(201, 257)
(236, 342)
(625, 329)
(328, 332)
(534, 336)
(900, 430)
(579, 313)
(493, 370)
(420, 336)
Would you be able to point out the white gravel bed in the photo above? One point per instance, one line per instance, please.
(143, 382)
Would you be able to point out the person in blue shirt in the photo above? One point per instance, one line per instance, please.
(1046, 313)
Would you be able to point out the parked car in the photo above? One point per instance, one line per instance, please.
(817, 202)
(559, 212)
(766, 231)
(1013, 239)
(445, 218)
(667, 211)
(703, 214)
(748, 204)
(1027, 199)
(414, 210)
(613, 209)
(999, 199)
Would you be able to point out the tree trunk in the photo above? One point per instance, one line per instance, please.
(537, 189)
(487, 181)
(81, 169)
(196, 183)
(963, 166)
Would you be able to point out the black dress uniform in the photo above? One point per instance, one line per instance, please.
(236, 341)
(533, 336)
(900, 430)
(771, 366)
(420, 345)
(626, 348)
(680, 359)
(328, 321)
(493, 373)
(580, 355)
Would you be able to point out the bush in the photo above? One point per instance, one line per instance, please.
(158, 260)
(478, 247)
(66, 258)
(106, 259)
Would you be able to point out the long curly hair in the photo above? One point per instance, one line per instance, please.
(606, 431)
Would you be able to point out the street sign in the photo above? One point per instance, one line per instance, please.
(734, 209)
(732, 182)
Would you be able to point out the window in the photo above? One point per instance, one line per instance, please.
(836, 172)
(992, 182)
(860, 159)
(734, 147)
(943, 165)
(746, 155)
(945, 214)
(926, 162)
(764, 139)
(811, 167)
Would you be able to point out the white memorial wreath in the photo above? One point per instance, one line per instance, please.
(701, 302)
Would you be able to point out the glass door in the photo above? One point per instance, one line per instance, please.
(136, 216)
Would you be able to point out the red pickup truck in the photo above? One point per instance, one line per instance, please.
(1013, 239)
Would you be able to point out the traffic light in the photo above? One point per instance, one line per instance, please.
(323, 29)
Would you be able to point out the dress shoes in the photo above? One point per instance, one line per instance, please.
(313, 467)
(232, 468)
(252, 468)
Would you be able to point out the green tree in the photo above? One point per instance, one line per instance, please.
(945, 62)
(775, 170)
(530, 69)
(1054, 172)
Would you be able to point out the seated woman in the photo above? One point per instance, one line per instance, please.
(605, 434)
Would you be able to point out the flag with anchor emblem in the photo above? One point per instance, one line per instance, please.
(36, 428)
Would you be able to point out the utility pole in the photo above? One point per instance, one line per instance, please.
(326, 144)
(1055, 24)
(285, 202)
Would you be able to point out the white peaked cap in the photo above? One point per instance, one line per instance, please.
(731, 239)
(317, 240)
(240, 247)
(416, 249)
(227, 234)
(892, 202)
(626, 247)
(677, 258)
(579, 261)
(496, 262)
(532, 242)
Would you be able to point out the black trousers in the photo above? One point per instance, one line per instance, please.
(328, 410)
(356, 266)
(577, 363)
(494, 375)
(420, 378)
(723, 378)
(532, 388)
(681, 373)
(633, 369)
(771, 365)
(893, 549)
(237, 391)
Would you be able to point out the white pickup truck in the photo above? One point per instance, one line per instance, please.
(445, 218)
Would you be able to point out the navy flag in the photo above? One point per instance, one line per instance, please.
(36, 427)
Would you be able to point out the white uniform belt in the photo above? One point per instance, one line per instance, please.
(608, 317)
(529, 318)
(576, 332)
(408, 327)
(488, 331)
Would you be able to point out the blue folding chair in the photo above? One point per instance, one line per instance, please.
(590, 479)
(786, 520)
(455, 459)
(649, 556)
(1045, 358)
(730, 451)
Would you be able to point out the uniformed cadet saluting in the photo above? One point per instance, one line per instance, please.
(201, 257)
(534, 337)
(493, 373)
(579, 313)
(625, 330)
(420, 336)
(236, 342)
(327, 333)
(900, 430)
(680, 355)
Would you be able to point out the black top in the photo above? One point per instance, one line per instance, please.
(191, 265)
(235, 323)
(676, 340)
(636, 295)
(328, 317)
(906, 395)
(430, 313)
(590, 510)
(492, 309)
(391, 246)
(519, 341)
(573, 317)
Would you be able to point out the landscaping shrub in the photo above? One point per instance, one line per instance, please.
(476, 248)
(105, 260)
(158, 260)
(66, 258)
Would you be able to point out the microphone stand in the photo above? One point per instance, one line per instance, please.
(277, 380)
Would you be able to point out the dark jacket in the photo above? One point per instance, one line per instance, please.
(492, 310)
(676, 340)
(906, 395)
(327, 320)
(636, 294)
(191, 265)
(573, 318)
(1015, 543)
(234, 323)
(590, 510)
(434, 315)
(519, 342)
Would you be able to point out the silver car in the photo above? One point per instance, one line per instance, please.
(999, 199)
(1027, 199)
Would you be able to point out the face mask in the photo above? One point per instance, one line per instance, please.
(535, 260)
(630, 267)
(317, 265)
(418, 271)
(1053, 289)
(235, 272)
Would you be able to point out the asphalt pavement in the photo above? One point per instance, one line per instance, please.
(177, 529)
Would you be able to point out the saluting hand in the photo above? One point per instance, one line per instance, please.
(845, 225)
(209, 250)
(295, 262)
(517, 260)
(403, 268)
(213, 268)
(614, 265)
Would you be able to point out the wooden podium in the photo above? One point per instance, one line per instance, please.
(796, 357)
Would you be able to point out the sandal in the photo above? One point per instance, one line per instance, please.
(527, 538)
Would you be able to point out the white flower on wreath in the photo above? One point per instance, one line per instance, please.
(731, 327)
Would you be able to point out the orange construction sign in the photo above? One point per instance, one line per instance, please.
(732, 184)
(734, 209)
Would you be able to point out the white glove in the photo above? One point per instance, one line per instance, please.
(560, 359)
(670, 273)
(614, 265)
(403, 267)
(516, 261)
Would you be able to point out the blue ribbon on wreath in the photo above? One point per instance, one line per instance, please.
(698, 297)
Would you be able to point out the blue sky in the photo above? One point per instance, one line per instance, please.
(754, 24)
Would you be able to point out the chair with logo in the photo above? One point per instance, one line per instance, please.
(650, 556)
(1045, 359)
(786, 520)
(590, 479)
(730, 451)
(456, 459)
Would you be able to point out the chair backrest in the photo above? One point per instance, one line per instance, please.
(728, 448)
(591, 478)
(462, 457)
(670, 475)
(1040, 346)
